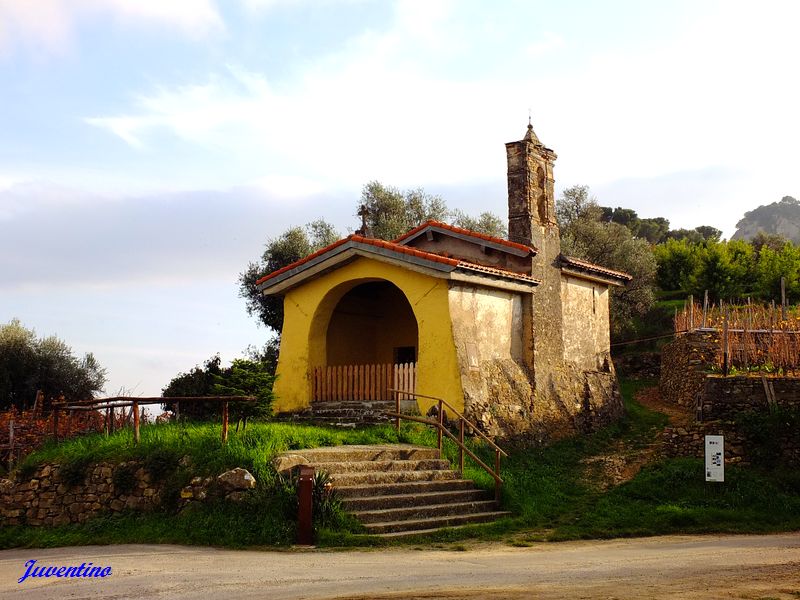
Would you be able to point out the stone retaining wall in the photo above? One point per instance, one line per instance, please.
(684, 363)
(48, 499)
(724, 397)
(739, 447)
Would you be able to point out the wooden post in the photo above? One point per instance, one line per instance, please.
(439, 429)
(691, 312)
(177, 411)
(111, 424)
(55, 423)
(397, 410)
(10, 443)
(461, 446)
(108, 421)
(725, 345)
(135, 423)
(705, 308)
(783, 298)
(224, 421)
(305, 506)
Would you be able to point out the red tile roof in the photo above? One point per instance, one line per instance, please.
(400, 249)
(363, 240)
(582, 264)
(475, 234)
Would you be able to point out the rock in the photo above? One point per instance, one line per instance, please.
(284, 463)
(186, 461)
(237, 479)
(6, 486)
(236, 496)
(187, 493)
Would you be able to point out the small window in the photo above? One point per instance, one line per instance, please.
(594, 300)
(405, 354)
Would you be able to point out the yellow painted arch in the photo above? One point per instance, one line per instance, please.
(307, 312)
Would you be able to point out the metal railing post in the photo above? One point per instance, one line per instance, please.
(497, 471)
(461, 446)
(441, 426)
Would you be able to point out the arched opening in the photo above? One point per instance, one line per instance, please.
(371, 345)
(372, 323)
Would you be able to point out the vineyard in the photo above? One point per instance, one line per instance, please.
(752, 337)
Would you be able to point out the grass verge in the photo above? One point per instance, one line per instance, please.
(552, 491)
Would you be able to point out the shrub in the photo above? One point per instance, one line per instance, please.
(124, 477)
(73, 471)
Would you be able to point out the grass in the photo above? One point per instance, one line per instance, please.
(552, 492)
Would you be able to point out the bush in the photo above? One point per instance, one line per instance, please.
(73, 471)
(124, 477)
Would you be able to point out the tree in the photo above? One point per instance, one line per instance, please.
(29, 363)
(584, 235)
(677, 262)
(292, 245)
(488, 223)
(244, 377)
(725, 269)
(391, 212)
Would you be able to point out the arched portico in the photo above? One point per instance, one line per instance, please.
(320, 331)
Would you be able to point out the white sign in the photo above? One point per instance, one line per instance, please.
(715, 458)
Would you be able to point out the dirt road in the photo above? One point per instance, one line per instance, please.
(686, 567)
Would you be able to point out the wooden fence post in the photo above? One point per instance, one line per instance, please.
(725, 345)
(55, 423)
(783, 298)
(135, 423)
(439, 429)
(224, 421)
(705, 308)
(691, 312)
(10, 444)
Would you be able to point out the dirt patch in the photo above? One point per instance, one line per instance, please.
(622, 462)
(679, 416)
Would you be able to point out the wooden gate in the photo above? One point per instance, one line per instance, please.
(363, 382)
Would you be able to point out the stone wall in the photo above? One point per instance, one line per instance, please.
(47, 498)
(740, 448)
(684, 363)
(724, 397)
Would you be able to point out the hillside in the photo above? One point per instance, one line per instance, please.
(781, 218)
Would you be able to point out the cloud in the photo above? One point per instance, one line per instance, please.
(49, 26)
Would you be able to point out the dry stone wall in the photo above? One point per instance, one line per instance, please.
(725, 397)
(684, 364)
(49, 498)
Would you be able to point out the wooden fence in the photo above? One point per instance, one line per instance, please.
(363, 382)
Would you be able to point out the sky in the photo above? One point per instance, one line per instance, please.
(150, 148)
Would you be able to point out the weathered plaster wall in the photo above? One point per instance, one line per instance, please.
(368, 323)
(308, 310)
(487, 330)
(586, 326)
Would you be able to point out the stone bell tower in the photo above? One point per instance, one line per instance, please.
(532, 221)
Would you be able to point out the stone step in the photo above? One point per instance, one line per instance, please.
(363, 466)
(429, 511)
(413, 499)
(357, 453)
(403, 488)
(416, 526)
(376, 477)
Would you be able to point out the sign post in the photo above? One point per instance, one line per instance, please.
(715, 458)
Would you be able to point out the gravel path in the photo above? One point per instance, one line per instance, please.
(686, 567)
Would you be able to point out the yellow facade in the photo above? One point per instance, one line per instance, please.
(308, 309)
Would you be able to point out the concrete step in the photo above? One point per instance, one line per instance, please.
(413, 499)
(364, 466)
(377, 477)
(391, 515)
(415, 526)
(357, 453)
(403, 488)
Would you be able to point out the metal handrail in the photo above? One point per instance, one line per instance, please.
(442, 430)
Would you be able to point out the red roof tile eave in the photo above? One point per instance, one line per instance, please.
(401, 250)
(469, 232)
(582, 264)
